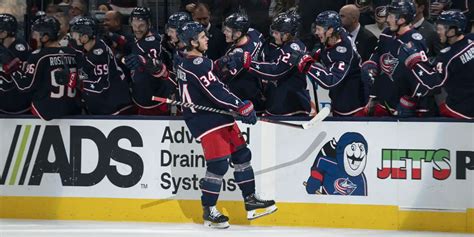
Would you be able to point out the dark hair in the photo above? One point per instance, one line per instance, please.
(201, 5)
(426, 9)
(109, 8)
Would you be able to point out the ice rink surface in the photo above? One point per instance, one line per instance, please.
(36, 228)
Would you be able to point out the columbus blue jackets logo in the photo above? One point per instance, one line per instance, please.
(388, 64)
(344, 186)
(339, 167)
(20, 47)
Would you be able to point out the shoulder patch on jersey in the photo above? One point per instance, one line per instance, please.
(341, 49)
(417, 36)
(20, 47)
(36, 51)
(197, 61)
(295, 46)
(445, 50)
(150, 38)
(98, 51)
(237, 50)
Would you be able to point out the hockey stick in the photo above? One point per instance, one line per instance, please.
(315, 120)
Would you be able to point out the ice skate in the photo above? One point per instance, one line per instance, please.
(214, 219)
(257, 207)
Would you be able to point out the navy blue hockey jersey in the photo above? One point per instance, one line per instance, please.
(286, 92)
(240, 82)
(395, 79)
(199, 85)
(12, 100)
(339, 72)
(105, 90)
(50, 98)
(452, 70)
(145, 85)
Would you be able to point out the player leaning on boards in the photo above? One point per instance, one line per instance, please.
(149, 74)
(394, 91)
(13, 52)
(104, 87)
(337, 66)
(50, 74)
(453, 67)
(242, 38)
(285, 93)
(220, 136)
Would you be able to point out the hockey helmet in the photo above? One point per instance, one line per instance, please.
(8, 23)
(329, 19)
(453, 18)
(238, 21)
(85, 26)
(286, 23)
(178, 19)
(402, 9)
(141, 13)
(189, 31)
(47, 25)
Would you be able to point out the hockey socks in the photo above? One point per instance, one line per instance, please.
(244, 177)
(210, 187)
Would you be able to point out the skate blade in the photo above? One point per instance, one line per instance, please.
(223, 225)
(254, 214)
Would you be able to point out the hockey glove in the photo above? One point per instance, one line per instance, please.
(312, 185)
(369, 71)
(406, 108)
(247, 113)
(305, 64)
(370, 67)
(221, 63)
(12, 66)
(61, 76)
(295, 57)
(238, 60)
(411, 55)
(154, 66)
(132, 62)
(119, 39)
(247, 60)
(316, 54)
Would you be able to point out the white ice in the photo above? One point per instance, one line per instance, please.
(40, 228)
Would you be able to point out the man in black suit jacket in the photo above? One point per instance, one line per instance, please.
(363, 39)
(217, 44)
(425, 28)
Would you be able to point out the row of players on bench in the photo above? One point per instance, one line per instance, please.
(397, 80)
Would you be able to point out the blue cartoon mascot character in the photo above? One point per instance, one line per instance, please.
(339, 167)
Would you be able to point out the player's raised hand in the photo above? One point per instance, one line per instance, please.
(153, 66)
(131, 61)
(247, 113)
(411, 55)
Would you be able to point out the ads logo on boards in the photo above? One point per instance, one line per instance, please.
(69, 167)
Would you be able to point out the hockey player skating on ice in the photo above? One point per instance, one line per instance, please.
(452, 68)
(338, 168)
(337, 66)
(220, 137)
